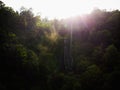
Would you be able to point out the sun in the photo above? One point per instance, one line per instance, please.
(65, 8)
(68, 8)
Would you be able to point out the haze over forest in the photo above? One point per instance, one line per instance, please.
(75, 53)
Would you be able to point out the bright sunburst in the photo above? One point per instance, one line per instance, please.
(63, 8)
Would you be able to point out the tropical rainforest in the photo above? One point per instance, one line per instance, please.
(77, 53)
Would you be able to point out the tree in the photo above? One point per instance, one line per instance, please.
(111, 57)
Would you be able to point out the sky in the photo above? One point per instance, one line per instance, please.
(62, 8)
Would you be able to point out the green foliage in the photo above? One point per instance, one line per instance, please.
(91, 78)
(111, 52)
(81, 64)
(32, 51)
(111, 57)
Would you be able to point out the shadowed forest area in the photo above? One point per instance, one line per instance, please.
(36, 53)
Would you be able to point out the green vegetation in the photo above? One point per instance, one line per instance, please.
(32, 51)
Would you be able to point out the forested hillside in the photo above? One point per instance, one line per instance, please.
(34, 50)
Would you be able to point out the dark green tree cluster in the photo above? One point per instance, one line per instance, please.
(32, 51)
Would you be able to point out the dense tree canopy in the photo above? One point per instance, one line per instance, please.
(38, 54)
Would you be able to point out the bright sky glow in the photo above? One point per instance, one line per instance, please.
(63, 8)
